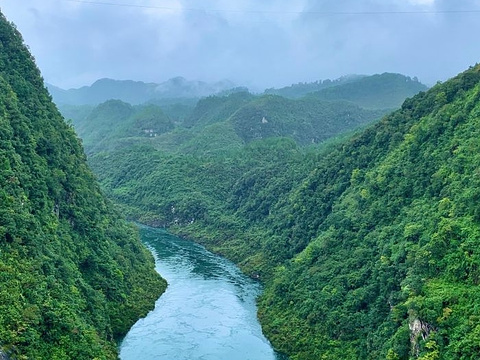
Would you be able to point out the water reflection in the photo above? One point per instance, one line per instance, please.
(208, 311)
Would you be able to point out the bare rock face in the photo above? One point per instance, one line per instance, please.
(418, 328)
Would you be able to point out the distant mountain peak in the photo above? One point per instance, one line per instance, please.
(137, 92)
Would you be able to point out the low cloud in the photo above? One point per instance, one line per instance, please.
(272, 43)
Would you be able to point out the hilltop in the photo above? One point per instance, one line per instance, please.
(380, 91)
(387, 90)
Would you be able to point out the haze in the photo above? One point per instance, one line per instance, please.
(257, 44)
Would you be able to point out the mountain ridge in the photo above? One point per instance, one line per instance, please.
(136, 92)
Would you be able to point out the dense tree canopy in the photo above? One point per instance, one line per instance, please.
(74, 276)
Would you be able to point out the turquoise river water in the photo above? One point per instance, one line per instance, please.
(208, 311)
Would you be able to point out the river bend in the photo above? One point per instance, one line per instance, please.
(208, 311)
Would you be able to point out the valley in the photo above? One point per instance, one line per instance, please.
(349, 205)
(356, 237)
(336, 230)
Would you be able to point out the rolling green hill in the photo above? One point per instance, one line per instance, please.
(240, 117)
(214, 109)
(111, 123)
(218, 122)
(307, 121)
(380, 91)
(74, 276)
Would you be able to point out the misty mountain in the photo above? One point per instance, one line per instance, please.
(180, 87)
(379, 91)
(239, 117)
(303, 88)
(102, 90)
(136, 92)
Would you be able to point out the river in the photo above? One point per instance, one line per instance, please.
(208, 311)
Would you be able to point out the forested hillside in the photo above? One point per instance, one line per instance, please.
(299, 90)
(73, 274)
(237, 118)
(391, 265)
(113, 122)
(380, 91)
(377, 91)
(307, 121)
(367, 246)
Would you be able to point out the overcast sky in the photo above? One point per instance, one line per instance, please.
(260, 44)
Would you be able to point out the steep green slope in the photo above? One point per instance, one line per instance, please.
(74, 276)
(214, 109)
(179, 189)
(392, 266)
(380, 91)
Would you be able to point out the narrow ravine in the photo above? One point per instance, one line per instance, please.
(208, 311)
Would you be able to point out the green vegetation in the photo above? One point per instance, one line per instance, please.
(299, 90)
(391, 218)
(381, 91)
(367, 245)
(217, 123)
(237, 117)
(215, 109)
(366, 240)
(307, 121)
(74, 276)
(113, 121)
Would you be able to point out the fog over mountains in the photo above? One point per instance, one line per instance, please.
(136, 92)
